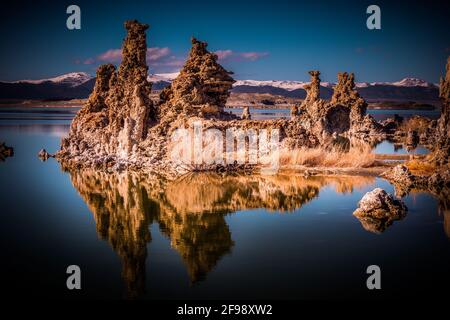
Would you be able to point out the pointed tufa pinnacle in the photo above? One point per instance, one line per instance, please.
(119, 111)
(202, 87)
(444, 86)
(313, 89)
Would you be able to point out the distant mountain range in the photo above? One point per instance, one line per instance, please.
(406, 89)
(80, 84)
(68, 86)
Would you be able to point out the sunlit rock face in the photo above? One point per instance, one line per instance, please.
(345, 113)
(377, 210)
(361, 124)
(119, 111)
(202, 87)
(317, 115)
(189, 211)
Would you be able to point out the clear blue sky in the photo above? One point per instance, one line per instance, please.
(260, 39)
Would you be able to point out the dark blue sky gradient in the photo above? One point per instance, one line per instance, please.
(330, 36)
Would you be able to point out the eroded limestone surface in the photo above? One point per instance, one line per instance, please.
(344, 114)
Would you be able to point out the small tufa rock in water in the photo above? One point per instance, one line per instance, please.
(246, 113)
(44, 155)
(378, 209)
(404, 180)
(5, 151)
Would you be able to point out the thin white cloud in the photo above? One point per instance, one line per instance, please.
(230, 55)
(162, 60)
(115, 55)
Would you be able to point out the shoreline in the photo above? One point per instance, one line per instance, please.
(378, 105)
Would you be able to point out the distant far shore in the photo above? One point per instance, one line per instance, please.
(73, 103)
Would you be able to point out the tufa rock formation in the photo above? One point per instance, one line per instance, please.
(345, 113)
(377, 210)
(246, 114)
(5, 151)
(120, 128)
(312, 91)
(202, 87)
(119, 111)
(319, 116)
(442, 153)
(44, 155)
(412, 138)
(361, 124)
(433, 133)
(404, 180)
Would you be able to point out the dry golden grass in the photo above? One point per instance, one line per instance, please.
(356, 157)
(417, 165)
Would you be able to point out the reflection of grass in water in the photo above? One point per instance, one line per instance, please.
(205, 192)
(189, 211)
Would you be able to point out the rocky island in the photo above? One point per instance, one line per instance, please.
(120, 127)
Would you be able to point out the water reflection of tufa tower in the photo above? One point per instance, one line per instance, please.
(190, 212)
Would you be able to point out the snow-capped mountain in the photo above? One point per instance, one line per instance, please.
(282, 84)
(80, 85)
(408, 89)
(294, 85)
(412, 82)
(168, 77)
(287, 85)
(72, 79)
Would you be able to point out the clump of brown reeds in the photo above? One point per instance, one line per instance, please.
(421, 166)
(354, 157)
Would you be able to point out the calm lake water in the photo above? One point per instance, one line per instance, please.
(204, 236)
